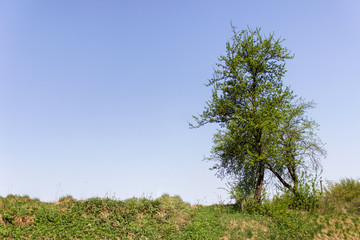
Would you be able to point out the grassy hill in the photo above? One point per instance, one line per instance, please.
(163, 218)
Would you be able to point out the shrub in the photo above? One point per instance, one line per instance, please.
(308, 194)
(343, 196)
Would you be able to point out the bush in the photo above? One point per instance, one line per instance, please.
(308, 194)
(343, 196)
(290, 223)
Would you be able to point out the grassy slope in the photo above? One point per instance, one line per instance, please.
(164, 218)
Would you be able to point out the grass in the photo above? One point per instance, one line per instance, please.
(164, 218)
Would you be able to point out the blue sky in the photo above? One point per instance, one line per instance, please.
(96, 96)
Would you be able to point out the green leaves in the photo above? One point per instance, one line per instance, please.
(265, 126)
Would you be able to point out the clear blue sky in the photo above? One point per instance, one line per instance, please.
(96, 96)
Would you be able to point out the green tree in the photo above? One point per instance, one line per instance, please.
(256, 114)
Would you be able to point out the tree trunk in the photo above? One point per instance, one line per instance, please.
(288, 186)
(261, 171)
(259, 184)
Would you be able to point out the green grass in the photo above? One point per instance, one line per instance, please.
(164, 218)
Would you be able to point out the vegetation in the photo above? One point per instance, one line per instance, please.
(265, 131)
(343, 196)
(167, 218)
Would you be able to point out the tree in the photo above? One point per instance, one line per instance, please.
(253, 109)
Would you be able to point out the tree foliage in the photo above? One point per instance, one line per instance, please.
(297, 148)
(263, 128)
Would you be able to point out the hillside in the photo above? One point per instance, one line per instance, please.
(164, 218)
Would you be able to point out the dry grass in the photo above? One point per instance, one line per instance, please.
(25, 220)
(244, 228)
(338, 228)
(2, 221)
